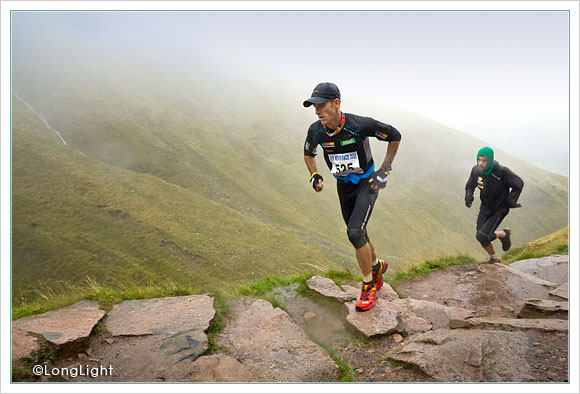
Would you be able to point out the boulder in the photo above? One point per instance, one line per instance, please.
(328, 288)
(166, 316)
(67, 328)
(272, 346)
(380, 319)
(545, 309)
(24, 345)
(468, 355)
(219, 368)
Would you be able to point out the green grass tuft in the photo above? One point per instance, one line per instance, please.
(347, 372)
(430, 266)
(555, 243)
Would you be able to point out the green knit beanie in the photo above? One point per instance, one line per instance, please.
(488, 153)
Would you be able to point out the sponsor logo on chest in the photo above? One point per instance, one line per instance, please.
(348, 142)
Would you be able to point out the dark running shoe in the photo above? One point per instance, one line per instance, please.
(367, 298)
(378, 275)
(506, 242)
(491, 260)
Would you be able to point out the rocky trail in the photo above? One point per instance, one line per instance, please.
(466, 323)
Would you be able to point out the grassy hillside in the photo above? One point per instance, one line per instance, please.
(74, 217)
(195, 178)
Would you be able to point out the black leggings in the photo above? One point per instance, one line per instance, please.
(487, 223)
(356, 203)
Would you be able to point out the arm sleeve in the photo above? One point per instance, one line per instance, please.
(471, 184)
(380, 130)
(516, 184)
(310, 146)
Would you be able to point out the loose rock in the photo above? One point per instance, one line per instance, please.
(328, 288)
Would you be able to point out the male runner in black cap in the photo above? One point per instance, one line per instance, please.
(347, 152)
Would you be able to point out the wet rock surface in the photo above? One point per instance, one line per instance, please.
(485, 289)
(468, 323)
(272, 346)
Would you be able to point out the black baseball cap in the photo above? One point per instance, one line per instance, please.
(324, 91)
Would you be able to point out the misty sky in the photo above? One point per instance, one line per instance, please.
(500, 76)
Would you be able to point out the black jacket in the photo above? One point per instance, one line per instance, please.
(499, 190)
(352, 140)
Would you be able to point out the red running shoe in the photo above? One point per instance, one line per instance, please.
(367, 298)
(378, 276)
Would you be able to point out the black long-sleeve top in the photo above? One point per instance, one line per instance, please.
(499, 190)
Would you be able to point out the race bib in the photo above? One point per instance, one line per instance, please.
(345, 163)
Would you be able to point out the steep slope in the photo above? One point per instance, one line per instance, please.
(74, 217)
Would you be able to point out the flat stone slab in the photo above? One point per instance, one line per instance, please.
(468, 355)
(552, 268)
(497, 322)
(219, 368)
(381, 319)
(161, 315)
(561, 291)
(23, 344)
(545, 309)
(272, 346)
(68, 328)
(328, 288)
